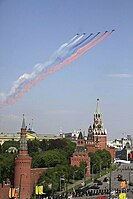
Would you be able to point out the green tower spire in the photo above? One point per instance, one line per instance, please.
(23, 123)
(23, 149)
(98, 107)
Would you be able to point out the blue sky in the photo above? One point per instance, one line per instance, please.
(32, 30)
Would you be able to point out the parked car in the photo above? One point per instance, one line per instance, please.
(119, 177)
(130, 184)
(94, 186)
(98, 182)
(105, 179)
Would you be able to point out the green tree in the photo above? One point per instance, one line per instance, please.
(99, 160)
(50, 180)
(54, 175)
(33, 146)
(52, 158)
(105, 157)
(57, 144)
(35, 159)
(7, 166)
(0, 148)
(65, 172)
(82, 169)
(44, 145)
(8, 144)
(69, 149)
(60, 154)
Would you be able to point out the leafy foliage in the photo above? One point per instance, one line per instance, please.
(33, 146)
(8, 144)
(7, 166)
(48, 158)
(105, 157)
(60, 176)
(44, 145)
(57, 144)
(99, 160)
(54, 152)
(0, 148)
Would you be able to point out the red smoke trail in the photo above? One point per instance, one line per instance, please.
(72, 57)
(55, 68)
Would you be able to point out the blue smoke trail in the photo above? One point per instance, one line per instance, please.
(87, 41)
(64, 55)
(83, 40)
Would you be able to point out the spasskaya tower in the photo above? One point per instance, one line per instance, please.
(99, 133)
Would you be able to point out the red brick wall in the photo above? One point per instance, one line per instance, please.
(4, 191)
(91, 148)
(102, 141)
(79, 157)
(112, 152)
(35, 174)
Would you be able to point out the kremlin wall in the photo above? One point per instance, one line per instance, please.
(26, 178)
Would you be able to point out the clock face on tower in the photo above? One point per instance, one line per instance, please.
(98, 126)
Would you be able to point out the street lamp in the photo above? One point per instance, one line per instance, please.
(61, 179)
(129, 180)
(85, 175)
(100, 165)
(66, 189)
(110, 185)
(130, 174)
(74, 176)
(92, 170)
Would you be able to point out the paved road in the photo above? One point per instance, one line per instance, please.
(129, 196)
(126, 171)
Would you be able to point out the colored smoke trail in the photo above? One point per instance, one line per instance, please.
(37, 70)
(33, 78)
(84, 40)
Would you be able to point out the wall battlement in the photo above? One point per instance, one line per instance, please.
(4, 189)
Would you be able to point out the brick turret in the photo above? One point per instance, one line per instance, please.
(80, 154)
(22, 179)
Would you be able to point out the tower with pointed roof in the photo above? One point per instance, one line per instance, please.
(80, 154)
(96, 139)
(22, 177)
(100, 134)
(97, 134)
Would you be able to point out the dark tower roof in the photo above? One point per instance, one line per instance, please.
(90, 128)
(80, 137)
(80, 146)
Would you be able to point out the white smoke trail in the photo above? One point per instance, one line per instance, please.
(23, 84)
(38, 69)
(63, 46)
(65, 49)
